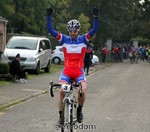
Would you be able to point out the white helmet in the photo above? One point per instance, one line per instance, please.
(73, 25)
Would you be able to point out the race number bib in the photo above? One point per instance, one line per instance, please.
(65, 87)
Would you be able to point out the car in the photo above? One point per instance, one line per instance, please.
(35, 52)
(95, 59)
(57, 56)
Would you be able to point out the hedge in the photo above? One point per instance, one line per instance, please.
(4, 68)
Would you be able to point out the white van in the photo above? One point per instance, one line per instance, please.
(35, 52)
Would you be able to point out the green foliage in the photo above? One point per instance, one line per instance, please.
(4, 68)
(141, 40)
(85, 25)
(119, 20)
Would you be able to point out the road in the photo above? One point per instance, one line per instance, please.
(117, 100)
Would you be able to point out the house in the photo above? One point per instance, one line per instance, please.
(3, 24)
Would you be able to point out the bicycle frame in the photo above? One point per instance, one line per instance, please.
(68, 102)
(68, 99)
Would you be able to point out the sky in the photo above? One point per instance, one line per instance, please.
(141, 1)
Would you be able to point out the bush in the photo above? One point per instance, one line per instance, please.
(141, 41)
(4, 68)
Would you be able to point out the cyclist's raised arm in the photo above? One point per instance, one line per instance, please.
(50, 29)
(95, 23)
(94, 28)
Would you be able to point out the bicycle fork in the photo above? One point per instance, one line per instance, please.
(68, 104)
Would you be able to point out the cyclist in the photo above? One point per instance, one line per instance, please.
(74, 48)
(148, 54)
(140, 53)
(134, 52)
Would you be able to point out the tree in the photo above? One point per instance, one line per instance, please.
(145, 19)
(119, 20)
(85, 25)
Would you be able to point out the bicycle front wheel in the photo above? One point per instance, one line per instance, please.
(74, 110)
(66, 118)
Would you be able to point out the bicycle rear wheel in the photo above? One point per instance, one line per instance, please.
(131, 60)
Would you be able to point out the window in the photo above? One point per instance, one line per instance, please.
(47, 44)
(21, 43)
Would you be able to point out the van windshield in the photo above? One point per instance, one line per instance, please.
(22, 43)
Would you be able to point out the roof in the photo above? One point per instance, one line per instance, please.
(3, 19)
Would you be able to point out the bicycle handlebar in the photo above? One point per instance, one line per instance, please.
(60, 85)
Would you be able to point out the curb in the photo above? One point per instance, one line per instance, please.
(20, 100)
(6, 106)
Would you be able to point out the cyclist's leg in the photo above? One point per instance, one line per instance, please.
(63, 80)
(60, 98)
(81, 78)
(81, 99)
(133, 58)
(137, 58)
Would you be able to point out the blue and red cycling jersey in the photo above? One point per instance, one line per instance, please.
(74, 51)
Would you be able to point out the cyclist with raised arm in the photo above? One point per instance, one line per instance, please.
(74, 48)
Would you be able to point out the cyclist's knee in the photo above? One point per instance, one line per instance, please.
(83, 90)
(61, 93)
(83, 87)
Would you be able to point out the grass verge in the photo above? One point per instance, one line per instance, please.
(54, 68)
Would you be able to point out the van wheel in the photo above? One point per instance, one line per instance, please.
(47, 69)
(37, 70)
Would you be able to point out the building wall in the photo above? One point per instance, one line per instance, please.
(3, 24)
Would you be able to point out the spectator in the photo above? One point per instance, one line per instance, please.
(112, 53)
(116, 53)
(104, 53)
(88, 59)
(124, 51)
(120, 53)
(16, 69)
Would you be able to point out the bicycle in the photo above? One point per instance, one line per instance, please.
(69, 111)
(134, 58)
